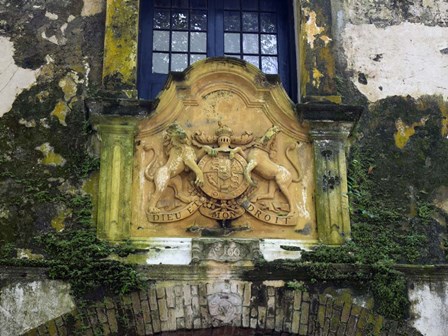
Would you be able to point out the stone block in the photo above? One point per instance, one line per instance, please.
(180, 323)
(197, 323)
(188, 313)
(178, 307)
(206, 319)
(279, 319)
(194, 290)
(202, 294)
(303, 329)
(271, 306)
(305, 312)
(170, 297)
(245, 317)
(261, 317)
(112, 320)
(160, 292)
(163, 310)
(101, 313)
(234, 287)
(146, 312)
(297, 299)
(195, 306)
(270, 323)
(295, 322)
(186, 290)
(345, 314)
(351, 325)
(153, 299)
(253, 323)
(155, 321)
(178, 290)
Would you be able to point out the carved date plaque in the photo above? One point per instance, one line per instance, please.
(224, 250)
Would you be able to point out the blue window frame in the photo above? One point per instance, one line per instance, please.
(176, 33)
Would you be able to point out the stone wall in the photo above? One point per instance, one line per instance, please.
(265, 308)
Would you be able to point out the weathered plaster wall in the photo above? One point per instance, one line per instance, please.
(393, 47)
(392, 58)
(51, 59)
(26, 305)
(428, 311)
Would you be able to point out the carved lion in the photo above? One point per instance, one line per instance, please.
(259, 161)
(180, 156)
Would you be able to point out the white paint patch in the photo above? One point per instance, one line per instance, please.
(13, 80)
(92, 7)
(397, 60)
(428, 306)
(24, 306)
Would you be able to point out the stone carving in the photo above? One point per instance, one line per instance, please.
(223, 172)
(224, 307)
(180, 155)
(225, 250)
(223, 189)
(259, 161)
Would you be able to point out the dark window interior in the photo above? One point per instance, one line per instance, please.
(176, 33)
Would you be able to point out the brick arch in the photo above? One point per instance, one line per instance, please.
(223, 308)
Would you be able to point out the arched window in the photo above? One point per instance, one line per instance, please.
(176, 33)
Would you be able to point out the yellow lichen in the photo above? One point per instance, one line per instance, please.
(58, 223)
(326, 39)
(311, 27)
(120, 50)
(404, 132)
(50, 157)
(28, 254)
(60, 112)
(317, 75)
(443, 106)
(69, 85)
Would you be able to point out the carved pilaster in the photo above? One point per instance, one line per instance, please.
(330, 127)
(114, 196)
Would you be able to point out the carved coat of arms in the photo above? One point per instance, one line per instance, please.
(226, 168)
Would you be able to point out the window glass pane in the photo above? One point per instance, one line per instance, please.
(180, 3)
(198, 4)
(162, 3)
(250, 4)
(179, 41)
(160, 63)
(268, 5)
(196, 57)
(250, 44)
(161, 19)
(252, 60)
(178, 62)
(232, 21)
(198, 42)
(161, 40)
(231, 42)
(268, 44)
(198, 20)
(268, 23)
(250, 22)
(232, 4)
(180, 20)
(269, 64)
